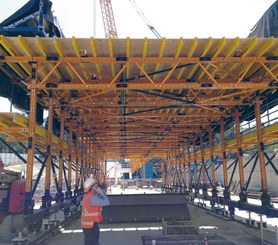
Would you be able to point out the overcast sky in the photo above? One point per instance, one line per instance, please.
(171, 18)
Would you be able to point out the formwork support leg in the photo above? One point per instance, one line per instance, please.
(60, 194)
(224, 159)
(195, 167)
(184, 168)
(242, 194)
(28, 202)
(265, 198)
(189, 168)
(211, 151)
(76, 193)
(46, 199)
(69, 191)
(82, 160)
(203, 167)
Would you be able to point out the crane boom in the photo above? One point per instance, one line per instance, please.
(108, 19)
(145, 19)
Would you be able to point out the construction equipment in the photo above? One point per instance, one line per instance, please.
(12, 194)
(108, 19)
(145, 19)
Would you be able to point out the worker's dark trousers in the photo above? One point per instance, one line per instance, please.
(91, 235)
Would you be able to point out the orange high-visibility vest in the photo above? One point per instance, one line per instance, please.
(90, 214)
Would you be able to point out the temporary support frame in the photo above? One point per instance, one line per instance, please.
(170, 98)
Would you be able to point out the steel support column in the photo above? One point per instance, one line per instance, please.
(242, 194)
(46, 199)
(204, 186)
(86, 162)
(189, 168)
(211, 151)
(90, 162)
(266, 202)
(224, 160)
(69, 191)
(82, 145)
(184, 166)
(195, 166)
(28, 202)
(163, 173)
(77, 168)
(60, 194)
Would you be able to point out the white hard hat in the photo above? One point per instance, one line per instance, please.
(88, 183)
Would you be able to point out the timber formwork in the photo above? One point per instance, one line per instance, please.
(138, 99)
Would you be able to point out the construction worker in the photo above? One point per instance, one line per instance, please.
(91, 215)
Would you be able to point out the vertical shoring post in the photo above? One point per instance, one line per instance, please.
(28, 202)
(224, 159)
(165, 171)
(180, 167)
(174, 168)
(97, 164)
(184, 166)
(204, 186)
(105, 171)
(189, 168)
(242, 194)
(90, 157)
(60, 194)
(176, 165)
(168, 171)
(85, 152)
(82, 145)
(195, 166)
(163, 174)
(211, 151)
(46, 199)
(171, 169)
(69, 192)
(77, 168)
(265, 198)
(94, 160)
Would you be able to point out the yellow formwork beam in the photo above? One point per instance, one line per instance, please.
(248, 139)
(18, 124)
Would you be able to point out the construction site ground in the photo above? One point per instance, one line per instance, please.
(131, 233)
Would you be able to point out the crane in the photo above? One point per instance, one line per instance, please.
(145, 19)
(108, 19)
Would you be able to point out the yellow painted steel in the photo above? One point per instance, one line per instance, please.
(9, 49)
(128, 55)
(77, 53)
(160, 53)
(219, 47)
(17, 121)
(60, 51)
(111, 54)
(23, 44)
(248, 141)
(94, 51)
(189, 54)
(42, 48)
(233, 59)
(144, 52)
(204, 53)
(244, 52)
